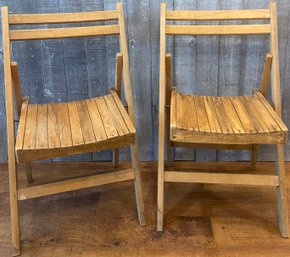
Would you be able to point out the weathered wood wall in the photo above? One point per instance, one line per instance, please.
(61, 70)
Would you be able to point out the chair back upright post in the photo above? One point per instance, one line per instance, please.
(10, 132)
(126, 68)
(162, 87)
(275, 71)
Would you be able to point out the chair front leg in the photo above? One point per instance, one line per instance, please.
(15, 226)
(138, 184)
(281, 192)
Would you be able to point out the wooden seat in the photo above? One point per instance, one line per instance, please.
(59, 129)
(231, 120)
(221, 122)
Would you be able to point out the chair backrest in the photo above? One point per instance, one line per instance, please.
(268, 28)
(12, 34)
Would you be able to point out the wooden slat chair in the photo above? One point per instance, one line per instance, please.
(60, 129)
(239, 122)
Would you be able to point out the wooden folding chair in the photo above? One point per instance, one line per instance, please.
(239, 122)
(60, 129)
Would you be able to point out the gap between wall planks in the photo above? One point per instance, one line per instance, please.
(54, 86)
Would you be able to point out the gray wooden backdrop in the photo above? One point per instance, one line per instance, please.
(61, 70)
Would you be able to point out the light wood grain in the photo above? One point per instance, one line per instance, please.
(75, 125)
(47, 18)
(86, 123)
(275, 71)
(119, 70)
(221, 178)
(241, 119)
(75, 184)
(218, 15)
(15, 229)
(22, 124)
(16, 86)
(168, 60)
(53, 126)
(32, 34)
(118, 85)
(217, 30)
(67, 128)
(65, 135)
(161, 119)
(281, 192)
(266, 74)
(29, 141)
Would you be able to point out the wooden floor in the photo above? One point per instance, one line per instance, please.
(200, 220)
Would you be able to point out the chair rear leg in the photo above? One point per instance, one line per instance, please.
(138, 184)
(28, 169)
(15, 226)
(160, 195)
(254, 157)
(281, 192)
(115, 157)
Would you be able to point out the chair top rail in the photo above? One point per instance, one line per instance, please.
(34, 34)
(218, 29)
(53, 18)
(218, 15)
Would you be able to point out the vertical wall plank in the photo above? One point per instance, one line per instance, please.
(112, 47)
(138, 22)
(251, 66)
(155, 45)
(29, 57)
(207, 57)
(229, 69)
(54, 86)
(283, 7)
(185, 67)
(96, 60)
(3, 141)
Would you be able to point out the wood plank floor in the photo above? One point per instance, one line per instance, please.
(201, 220)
